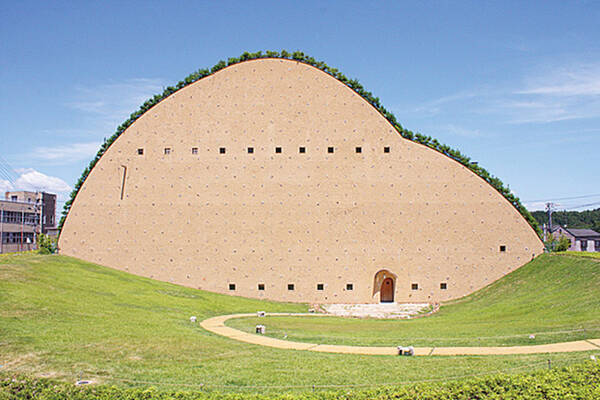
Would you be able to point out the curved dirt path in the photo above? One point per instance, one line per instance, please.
(217, 325)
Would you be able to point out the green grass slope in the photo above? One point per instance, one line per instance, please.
(557, 298)
(65, 318)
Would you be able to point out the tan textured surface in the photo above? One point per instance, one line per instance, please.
(216, 325)
(206, 220)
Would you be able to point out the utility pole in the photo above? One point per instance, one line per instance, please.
(550, 210)
(1, 230)
(22, 228)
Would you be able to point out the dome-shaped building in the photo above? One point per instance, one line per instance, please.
(272, 179)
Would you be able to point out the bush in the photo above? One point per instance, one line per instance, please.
(46, 244)
(563, 243)
(580, 381)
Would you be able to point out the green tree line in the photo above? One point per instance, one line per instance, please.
(589, 219)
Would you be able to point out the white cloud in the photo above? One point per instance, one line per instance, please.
(460, 131)
(30, 179)
(66, 154)
(551, 95)
(113, 102)
(572, 80)
(5, 186)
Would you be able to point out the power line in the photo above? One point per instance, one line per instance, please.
(564, 198)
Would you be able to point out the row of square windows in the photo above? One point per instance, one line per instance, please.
(250, 150)
(321, 286)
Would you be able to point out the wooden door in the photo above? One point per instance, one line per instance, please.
(387, 291)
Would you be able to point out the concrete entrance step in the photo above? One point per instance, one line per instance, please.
(380, 310)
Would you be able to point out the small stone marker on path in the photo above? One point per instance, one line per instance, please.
(192, 319)
(406, 351)
(261, 313)
(261, 329)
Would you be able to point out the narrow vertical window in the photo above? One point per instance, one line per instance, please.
(167, 150)
(250, 150)
(320, 286)
(222, 150)
(414, 286)
(386, 149)
(194, 150)
(290, 286)
(349, 286)
(302, 150)
(123, 182)
(443, 286)
(358, 149)
(502, 248)
(277, 150)
(140, 152)
(232, 286)
(261, 286)
(330, 149)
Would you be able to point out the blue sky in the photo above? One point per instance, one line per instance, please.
(514, 85)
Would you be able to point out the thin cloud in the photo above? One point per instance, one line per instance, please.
(65, 154)
(559, 94)
(114, 101)
(460, 131)
(574, 80)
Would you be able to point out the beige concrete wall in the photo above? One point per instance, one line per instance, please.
(207, 220)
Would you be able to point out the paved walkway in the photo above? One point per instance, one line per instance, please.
(217, 325)
(378, 310)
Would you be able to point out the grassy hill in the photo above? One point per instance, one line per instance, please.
(557, 298)
(65, 318)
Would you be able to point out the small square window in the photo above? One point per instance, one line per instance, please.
(320, 286)
(140, 152)
(232, 286)
(261, 286)
(302, 150)
(194, 150)
(503, 248)
(250, 150)
(386, 149)
(330, 149)
(277, 150)
(167, 150)
(358, 149)
(290, 286)
(414, 286)
(222, 150)
(443, 286)
(349, 286)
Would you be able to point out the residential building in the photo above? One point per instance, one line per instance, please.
(581, 239)
(24, 215)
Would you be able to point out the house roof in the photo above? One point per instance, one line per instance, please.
(580, 232)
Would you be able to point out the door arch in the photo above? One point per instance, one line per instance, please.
(386, 290)
(386, 293)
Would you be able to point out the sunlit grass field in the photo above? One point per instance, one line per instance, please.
(70, 319)
(555, 298)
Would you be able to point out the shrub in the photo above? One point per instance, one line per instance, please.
(580, 381)
(46, 244)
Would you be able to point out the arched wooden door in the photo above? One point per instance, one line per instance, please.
(387, 291)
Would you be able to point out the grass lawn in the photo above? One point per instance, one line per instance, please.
(588, 254)
(557, 298)
(70, 319)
